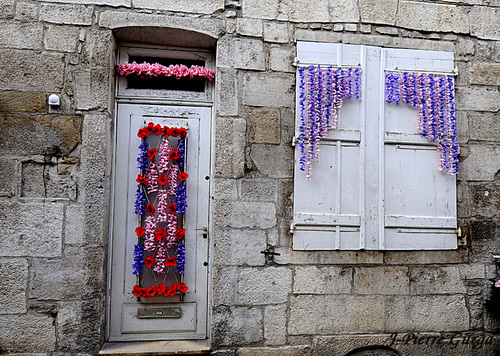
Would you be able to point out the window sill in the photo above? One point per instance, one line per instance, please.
(155, 348)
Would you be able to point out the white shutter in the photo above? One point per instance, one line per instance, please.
(377, 185)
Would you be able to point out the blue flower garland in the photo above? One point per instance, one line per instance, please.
(181, 258)
(138, 258)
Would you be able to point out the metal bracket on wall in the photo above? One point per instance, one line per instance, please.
(463, 236)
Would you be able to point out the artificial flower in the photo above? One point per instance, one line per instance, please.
(162, 179)
(148, 261)
(150, 209)
(137, 291)
(143, 132)
(169, 292)
(138, 264)
(173, 155)
(141, 180)
(140, 231)
(174, 131)
(182, 132)
(497, 283)
(171, 208)
(151, 291)
(183, 288)
(161, 289)
(152, 153)
(150, 127)
(180, 233)
(160, 234)
(157, 129)
(183, 176)
(171, 262)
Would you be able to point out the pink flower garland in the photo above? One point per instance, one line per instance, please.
(147, 70)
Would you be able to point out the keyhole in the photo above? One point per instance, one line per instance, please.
(205, 263)
(207, 177)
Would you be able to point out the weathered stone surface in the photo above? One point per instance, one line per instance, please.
(22, 134)
(6, 9)
(228, 97)
(432, 313)
(258, 189)
(27, 333)
(380, 11)
(381, 280)
(79, 325)
(92, 88)
(73, 227)
(272, 351)
(42, 180)
(465, 47)
(12, 101)
(61, 38)
(79, 274)
(265, 124)
(482, 163)
(276, 32)
(322, 280)
(281, 59)
(425, 257)
(193, 6)
(26, 11)
(485, 73)
(275, 324)
(484, 22)
(487, 50)
(225, 278)
(20, 70)
(273, 161)
(33, 229)
(66, 14)
(14, 277)
(289, 256)
(436, 280)
(263, 9)
(256, 89)
(444, 18)
(98, 48)
(258, 215)
(275, 281)
(351, 27)
(326, 11)
(225, 189)
(114, 3)
(483, 230)
(485, 200)
(387, 31)
(244, 53)
(21, 35)
(249, 27)
(7, 177)
(236, 326)
(239, 247)
(478, 99)
(472, 271)
(484, 126)
(229, 147)
(339, 314)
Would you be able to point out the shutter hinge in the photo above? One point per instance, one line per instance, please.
(292, 228)
(294, 141)
(463, 236)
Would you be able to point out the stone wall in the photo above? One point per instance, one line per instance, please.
(55, 168)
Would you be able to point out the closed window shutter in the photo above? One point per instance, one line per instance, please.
(377, 185)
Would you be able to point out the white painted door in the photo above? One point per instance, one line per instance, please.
(159, 317)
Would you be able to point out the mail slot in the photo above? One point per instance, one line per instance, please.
(159, 313)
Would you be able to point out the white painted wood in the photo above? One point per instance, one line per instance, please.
(123, 322)
(389, 193)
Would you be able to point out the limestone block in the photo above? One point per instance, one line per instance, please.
(14, 277)
(61, 38)
(224, 281)
(485, 73)
(6, 9)
(225, 189)
(273, 161)
(23, 72)
(485, 199)
(26, 11)
(190, 6)
(227, 90)
(281, 59)
(276, 32)
(33, 229)
(391, 31)
(42, 180)
(379, 11)
(488, 50)
(465, 47)
(27, 333)
(275, 324)
(92, 88)
(73, 227)
(304, 12)
(249, 27)
(258, 189)
(263, 9)
(22, 134)
(269, 89)
(478, 99)
(472, 271)
(79, 273)
(273, 283)
(482, 163)
(339, 314)
(342, 10)
(436, 280)
(79, 325)
(432, 313)
(322, 280)
(114, 3)
(432, 17)
(484, 22)
(244, 53)
(233, 326)
(98, 48)
(12, 101)
(239, 247)
(484, 126)
(66, 14)
(230, 147)
(425, 257)
(275, 351)
(7, 177)
(259, 215)
(264, 124)
(21, 35)
(289, 256)
(381, 280)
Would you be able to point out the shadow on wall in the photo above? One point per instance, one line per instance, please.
(374, 351)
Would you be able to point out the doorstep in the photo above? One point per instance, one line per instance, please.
(156, 348)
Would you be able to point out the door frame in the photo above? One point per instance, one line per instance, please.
(162, 99)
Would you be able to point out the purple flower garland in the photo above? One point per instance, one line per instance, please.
(181, 258)
(435, 100)
(138, 258)
(321, 94)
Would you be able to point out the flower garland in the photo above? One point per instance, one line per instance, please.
(148, 71)
(160, 204)
(321, 94)
(434, 98)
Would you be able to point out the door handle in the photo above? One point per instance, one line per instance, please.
(205, 232)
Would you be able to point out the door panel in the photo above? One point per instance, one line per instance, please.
(159, 317)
